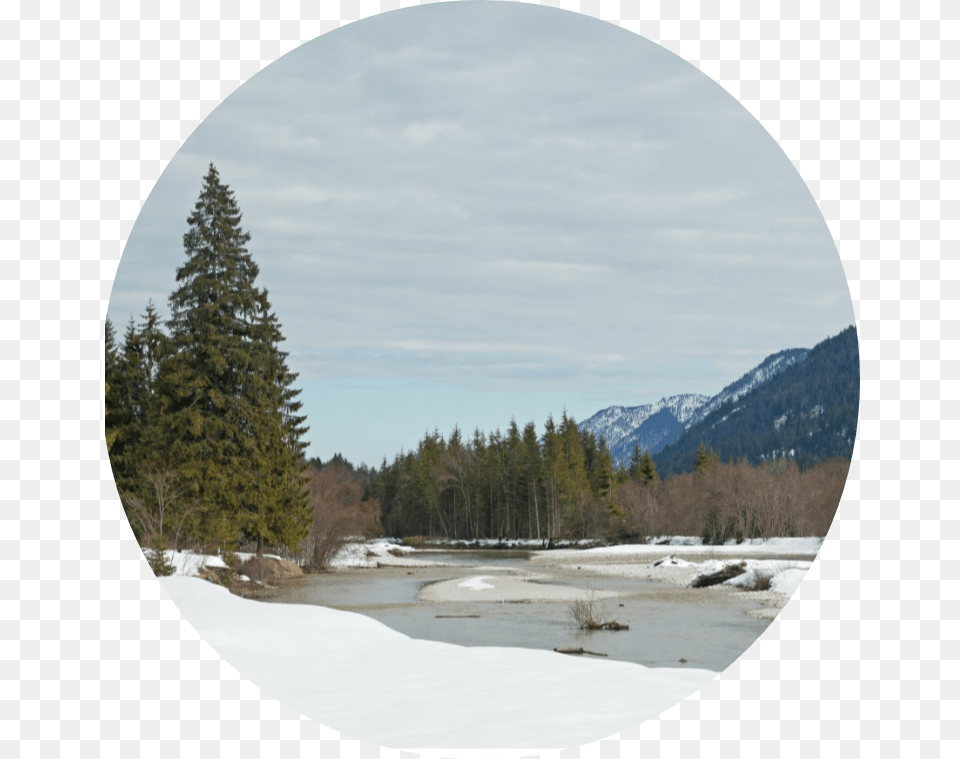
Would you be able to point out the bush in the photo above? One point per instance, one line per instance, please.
(591, 613)
(157, 558)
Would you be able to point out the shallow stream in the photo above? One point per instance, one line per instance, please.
(708, 628)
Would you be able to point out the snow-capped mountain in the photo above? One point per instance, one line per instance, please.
(769, 368)
(805, 408)
(617, 423)
(655, 425)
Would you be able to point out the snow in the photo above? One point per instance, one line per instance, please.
(787, 581)
(188, 563)
(355, 675)
(476, 583)
(686, 544)
(374, 553)
(671, 561)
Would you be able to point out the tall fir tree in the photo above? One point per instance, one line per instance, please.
(232, 425)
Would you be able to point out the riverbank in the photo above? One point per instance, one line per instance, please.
(776, 565)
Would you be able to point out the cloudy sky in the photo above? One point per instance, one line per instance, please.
(469, 212)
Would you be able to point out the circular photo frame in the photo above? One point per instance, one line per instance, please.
(521, 337)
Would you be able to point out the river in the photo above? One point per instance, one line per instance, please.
(708, 628)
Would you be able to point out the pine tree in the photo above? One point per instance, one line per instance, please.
(232, 424)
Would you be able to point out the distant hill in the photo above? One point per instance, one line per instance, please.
(806, 411)
(656, 425)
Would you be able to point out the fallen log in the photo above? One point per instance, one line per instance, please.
(728, 572)
(577, 651)
(457, 616)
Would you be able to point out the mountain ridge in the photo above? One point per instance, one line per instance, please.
(660, 425)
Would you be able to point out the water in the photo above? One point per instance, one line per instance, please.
(709, 629)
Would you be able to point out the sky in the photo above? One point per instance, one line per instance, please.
(470, 212)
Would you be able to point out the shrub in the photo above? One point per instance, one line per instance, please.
(591, 613)
(157, 558)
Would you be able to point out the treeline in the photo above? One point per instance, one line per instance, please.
(562, 484)
(202, 422)
(506, 485)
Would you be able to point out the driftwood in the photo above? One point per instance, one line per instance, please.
(728, 572)
(591, 625)
(457, 616)
(577, 651)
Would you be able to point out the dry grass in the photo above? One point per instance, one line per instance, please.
(591, 613)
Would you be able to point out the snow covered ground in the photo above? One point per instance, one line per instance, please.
(355, 675)
(663, 561)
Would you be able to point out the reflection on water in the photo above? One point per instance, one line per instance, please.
(709, 629)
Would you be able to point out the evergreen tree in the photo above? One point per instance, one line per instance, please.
(636, 461)
(232, 426)
(603, 474)
(112, 402)
(533, 464)
(648, 472)
(704, 458)
(138, 402)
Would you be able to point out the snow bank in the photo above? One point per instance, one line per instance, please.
(355, 675)
(695, 545)
(188, 564)
(787, 581)
(476, 583)
(671, 561)
(378, 552)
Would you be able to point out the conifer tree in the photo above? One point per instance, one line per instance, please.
(111, 376)
(704, 458)
(636, 460)
(232, 425)
(603, 474)
(648, 471)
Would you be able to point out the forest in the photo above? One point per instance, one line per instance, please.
(562, 484)
(205, 438)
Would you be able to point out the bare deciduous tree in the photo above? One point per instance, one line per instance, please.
(339, 513)
(162, 508)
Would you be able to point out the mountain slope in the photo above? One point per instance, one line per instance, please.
(769, 368)
(808, 411)
(619, 425)
(656, 425)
